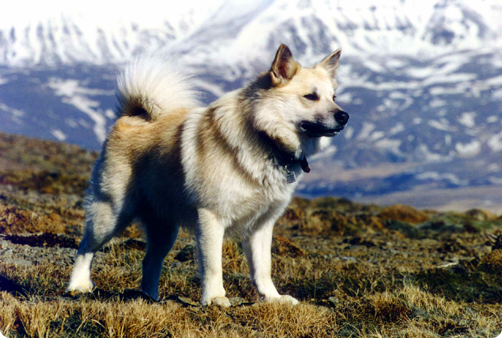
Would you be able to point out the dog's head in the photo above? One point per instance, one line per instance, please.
(298, 107)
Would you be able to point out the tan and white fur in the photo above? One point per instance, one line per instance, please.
(168, 162)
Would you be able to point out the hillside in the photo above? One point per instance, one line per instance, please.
(422, 81)
(359, 270)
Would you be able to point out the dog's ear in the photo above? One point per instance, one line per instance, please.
(284, 66)
(331, 62)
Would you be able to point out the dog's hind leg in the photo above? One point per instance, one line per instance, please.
(160, 242)
(102, 224)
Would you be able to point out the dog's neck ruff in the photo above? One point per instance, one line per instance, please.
(286, 161)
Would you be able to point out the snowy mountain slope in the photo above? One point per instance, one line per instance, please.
(422, 80)
(72, 104)
(98, 32)
(237, 31)
(314, 28)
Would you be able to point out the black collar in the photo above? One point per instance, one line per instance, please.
(288, 166)
(285, 160)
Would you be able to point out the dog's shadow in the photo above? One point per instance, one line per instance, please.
(106, 295)
(126, 296)
(133, 294)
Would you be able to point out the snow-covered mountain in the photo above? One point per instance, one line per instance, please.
(237, 31)
(422, 80)
(97, 32)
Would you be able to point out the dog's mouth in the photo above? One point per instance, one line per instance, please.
(313, 129)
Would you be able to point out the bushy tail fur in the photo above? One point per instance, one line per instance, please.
(151, 87)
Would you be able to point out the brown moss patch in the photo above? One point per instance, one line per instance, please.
(14, 220)
(284, 247)
(186, 254)
(369, 221)
(46, 182)
(492, 261)
(480, 215)
(135, 230)
(404, 213)
(389, 308)
(321, 220)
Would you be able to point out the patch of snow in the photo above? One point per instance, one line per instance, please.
(13, 111)
(345, 97)
(76, 95)
(375, 67)
(496, 181)
(397, 95)
(467, 119)
(366, 130)
(494, 81)
(110, 114)
(399, 127)
(376, 135)
(420, 73)
(326, 153)
(389, 145)
(348, 132)
(492, 119)
(497, 94)
(58, 134)
(493, 167)
(86, 105)
(442, 124)
(384, 86)
(435, 176)
(468, 149)
(495, 142)
(72, 123)
(71, 87)
(430, 156)
(442, 112)
(449, 78)
(394, 63)
(458, 89)
(207, 86)
(437, 103)
(84, 124)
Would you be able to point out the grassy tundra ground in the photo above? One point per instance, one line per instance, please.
(359, 270)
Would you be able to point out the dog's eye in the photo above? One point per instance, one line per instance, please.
(312, 97)
(334, 97)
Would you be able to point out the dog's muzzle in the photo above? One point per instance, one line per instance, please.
(315, 129)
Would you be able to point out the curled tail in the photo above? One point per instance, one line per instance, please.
(152, 87)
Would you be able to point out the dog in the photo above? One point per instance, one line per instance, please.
(230, 167)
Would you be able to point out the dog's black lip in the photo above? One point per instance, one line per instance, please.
(313, 129)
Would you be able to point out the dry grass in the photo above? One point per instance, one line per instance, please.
(339, 298)
(359, 270)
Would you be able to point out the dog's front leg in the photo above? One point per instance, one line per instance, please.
(209, 237)
(257, 248)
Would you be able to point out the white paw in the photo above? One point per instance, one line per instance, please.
(80, 287)
(284, 299)
(222, 302)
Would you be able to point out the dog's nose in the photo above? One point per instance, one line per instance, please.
(341, 117)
